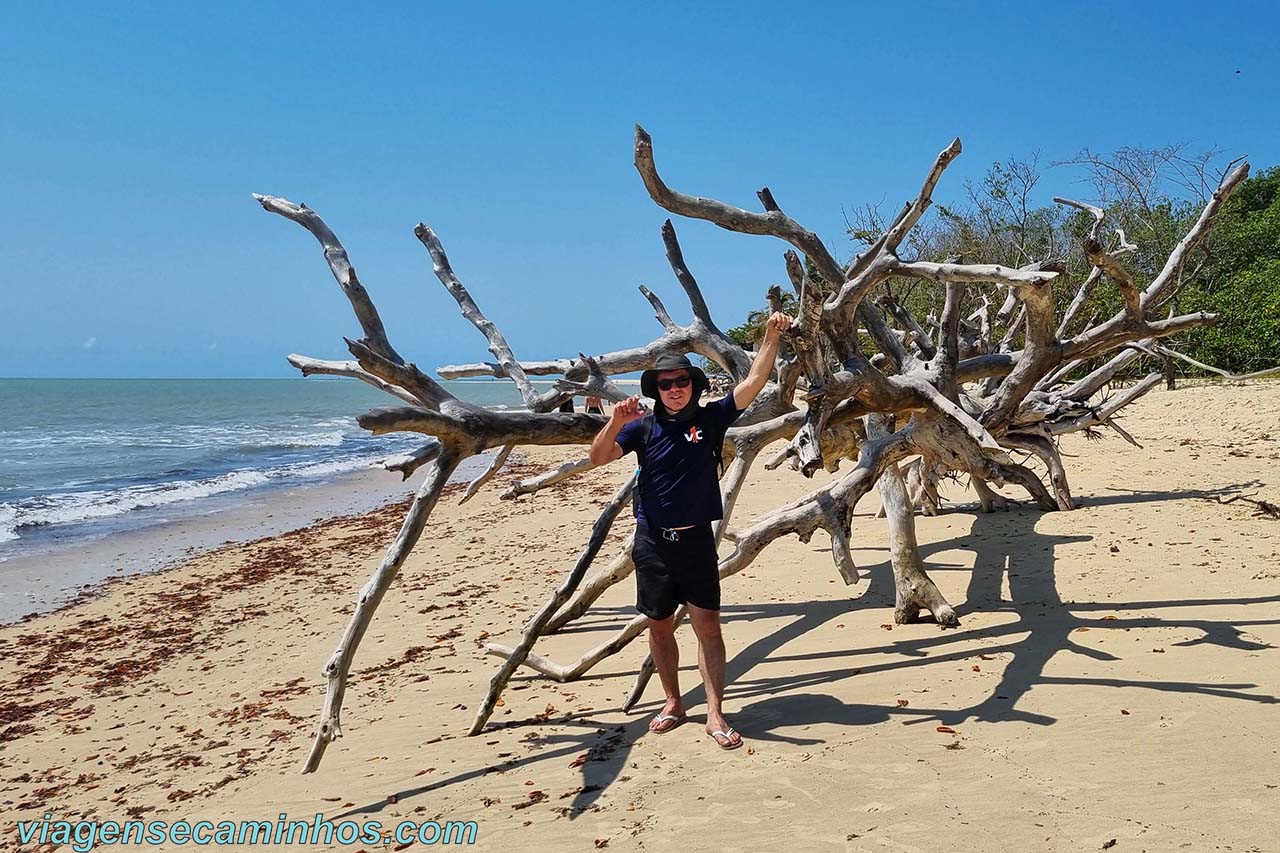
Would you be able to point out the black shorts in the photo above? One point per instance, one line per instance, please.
(670, 573)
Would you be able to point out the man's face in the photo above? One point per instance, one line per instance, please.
(679, 390)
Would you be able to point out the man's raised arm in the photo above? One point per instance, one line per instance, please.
(605, 447)
(747, 390)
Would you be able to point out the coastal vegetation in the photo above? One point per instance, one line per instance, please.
(1150, 195)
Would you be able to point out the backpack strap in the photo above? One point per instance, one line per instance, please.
(646, 430)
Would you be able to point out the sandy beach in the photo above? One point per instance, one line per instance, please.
(44, 579)
(1113, 684)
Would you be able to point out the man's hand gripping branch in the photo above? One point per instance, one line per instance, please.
(748, 389)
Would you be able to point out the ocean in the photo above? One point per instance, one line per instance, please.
(90, 456)
(96, 461)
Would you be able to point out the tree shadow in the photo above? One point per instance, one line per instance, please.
(1007, 549)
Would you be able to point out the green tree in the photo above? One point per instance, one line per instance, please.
(1154, 195)
(1242, 280)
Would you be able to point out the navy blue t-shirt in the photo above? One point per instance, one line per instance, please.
(679, 480)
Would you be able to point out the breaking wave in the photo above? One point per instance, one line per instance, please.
(83, 506)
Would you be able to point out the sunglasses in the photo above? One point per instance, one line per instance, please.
(668, 384)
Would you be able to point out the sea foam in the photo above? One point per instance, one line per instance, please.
(77, 507)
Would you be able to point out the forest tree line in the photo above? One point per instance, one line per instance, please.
(1152, 195)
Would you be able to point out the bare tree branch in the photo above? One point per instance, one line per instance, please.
(340, 265)
(773, 222)
(660, 310)
(1234, 377)
(535, 626)
(408, 463)
(497, 341)
(495, 464)
(339, 665)
(314, 366)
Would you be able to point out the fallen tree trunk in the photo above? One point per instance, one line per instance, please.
(954, 404)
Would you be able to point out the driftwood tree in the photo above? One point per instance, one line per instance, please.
(905, 406)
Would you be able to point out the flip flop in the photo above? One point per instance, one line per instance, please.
(674, 719)
(729, 743)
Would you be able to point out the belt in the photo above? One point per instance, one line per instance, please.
(672, 534)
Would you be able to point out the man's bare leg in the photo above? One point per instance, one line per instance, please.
(666, 660)
(706, 625)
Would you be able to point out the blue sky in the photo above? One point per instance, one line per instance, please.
(133, 137)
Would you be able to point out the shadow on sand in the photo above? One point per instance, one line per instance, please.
(1008, 549)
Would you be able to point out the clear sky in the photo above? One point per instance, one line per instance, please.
(131, 137)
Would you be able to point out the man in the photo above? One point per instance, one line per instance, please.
(677, 498)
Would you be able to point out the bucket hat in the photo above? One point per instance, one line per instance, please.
(671, 361)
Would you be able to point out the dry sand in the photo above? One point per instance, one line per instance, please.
(1114, 680)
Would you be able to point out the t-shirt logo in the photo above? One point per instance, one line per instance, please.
(694, 435)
